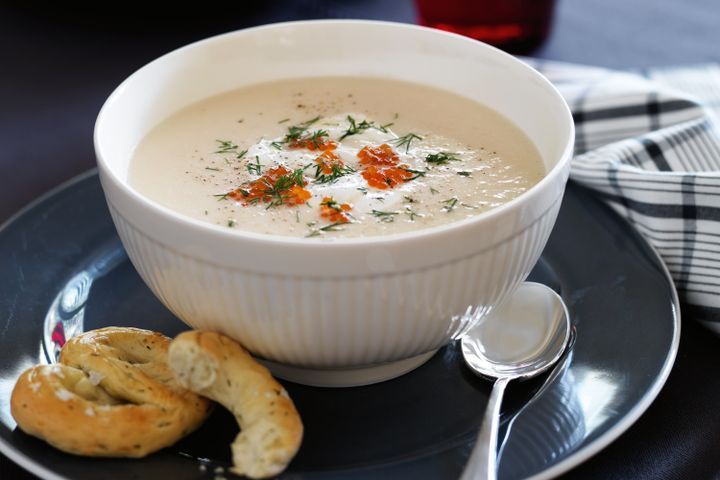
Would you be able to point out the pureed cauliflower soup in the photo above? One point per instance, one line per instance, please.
(334, 157)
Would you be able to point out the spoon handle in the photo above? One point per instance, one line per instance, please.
(482, 464)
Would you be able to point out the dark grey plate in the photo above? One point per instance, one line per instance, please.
(62, 270)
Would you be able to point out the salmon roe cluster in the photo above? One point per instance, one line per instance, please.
(382, 170)
(333, 211)
(328, 161)
(279, 186)
(314, 143)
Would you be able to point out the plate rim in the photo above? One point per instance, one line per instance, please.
(564, 466)
(647, 399)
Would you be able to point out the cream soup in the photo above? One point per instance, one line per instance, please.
(334, 157)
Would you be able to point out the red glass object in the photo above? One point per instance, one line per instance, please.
(516, 26)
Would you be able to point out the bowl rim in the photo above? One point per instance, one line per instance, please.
(559, 169)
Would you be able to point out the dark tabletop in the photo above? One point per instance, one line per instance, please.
(58, 65)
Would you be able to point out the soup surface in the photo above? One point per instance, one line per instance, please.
(334, 157)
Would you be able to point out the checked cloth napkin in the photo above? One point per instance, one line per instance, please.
(648, 144)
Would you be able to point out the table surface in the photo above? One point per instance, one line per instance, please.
(59, 66)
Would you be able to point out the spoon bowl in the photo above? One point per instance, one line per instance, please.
(522, 338)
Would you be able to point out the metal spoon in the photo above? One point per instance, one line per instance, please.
(522, 338)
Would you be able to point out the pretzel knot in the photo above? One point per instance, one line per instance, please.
(111, 395)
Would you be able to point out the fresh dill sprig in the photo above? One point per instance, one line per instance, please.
(316, 137)
(384, 128)
(406, 140)
(222, 196)
(276, 145)
(255, 168)
(337, 171)
(278, 191)
(416, 173)
(364, 190)
(241, 154)
(442, 158)
(355, 127)
(284, 120)
(297, 131)
(450, 204)
(333, 227)
(386, 217)
(225, 146)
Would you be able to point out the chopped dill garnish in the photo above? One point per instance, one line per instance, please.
(297, 131)
(412, 213)
(277, 145)
(297, 216)
(450, 204)
(473, 207)
(409, 199)
(333, 227)
(213, 169)
(384, 128)
(225, 146)
(316, 137)
(284, 120)
(241, 154)
(364, 190)
(336, 172)
(355, 127)
(433, 191)
(417, 173)
(442, 158)
(464, 174)
(278, 192)
(406, 140)
(386, 217)
(231, 223)
(222, 196)
(255, 168)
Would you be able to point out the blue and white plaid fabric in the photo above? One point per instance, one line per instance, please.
(648, 143)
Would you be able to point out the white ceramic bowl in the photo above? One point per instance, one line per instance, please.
(347, 311)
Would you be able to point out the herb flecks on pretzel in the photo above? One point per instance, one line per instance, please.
(111, 395)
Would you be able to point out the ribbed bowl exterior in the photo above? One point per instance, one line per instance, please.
(336, 322)
(348, 302)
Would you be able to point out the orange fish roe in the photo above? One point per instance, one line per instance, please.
(279, 186)
(382, 170)
(327, 160)
(318, 140)
(378, 156)
(384, 178)
(333, 211)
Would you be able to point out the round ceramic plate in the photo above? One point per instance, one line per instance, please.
(63, 270)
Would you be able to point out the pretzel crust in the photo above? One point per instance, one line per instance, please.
(217, 367)
(111, 395)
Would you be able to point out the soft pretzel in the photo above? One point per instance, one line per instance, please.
(111, 395)
(217, 367)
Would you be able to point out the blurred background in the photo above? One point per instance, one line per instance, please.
(50, 50)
